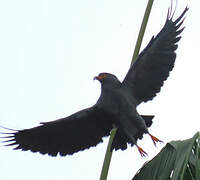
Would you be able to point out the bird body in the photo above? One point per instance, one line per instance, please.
(117, 104)
(120, 104)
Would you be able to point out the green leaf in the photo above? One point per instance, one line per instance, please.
(178, 160)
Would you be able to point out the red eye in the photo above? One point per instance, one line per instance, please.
(102, 76)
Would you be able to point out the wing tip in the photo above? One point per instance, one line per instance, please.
(171, 12)
(3, 127)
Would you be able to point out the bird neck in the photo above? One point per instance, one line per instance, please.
(110, 86)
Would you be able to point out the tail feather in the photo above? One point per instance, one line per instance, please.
(148, 119)
(121, 139)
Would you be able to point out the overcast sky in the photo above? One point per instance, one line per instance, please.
(49, 53)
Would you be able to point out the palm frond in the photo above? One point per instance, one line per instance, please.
(178, 160)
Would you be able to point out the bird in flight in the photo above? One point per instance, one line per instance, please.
(116, 105)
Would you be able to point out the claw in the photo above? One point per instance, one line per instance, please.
(155, 139)
(141, 151)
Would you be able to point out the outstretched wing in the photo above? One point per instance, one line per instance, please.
(145, 78)
(65, 136)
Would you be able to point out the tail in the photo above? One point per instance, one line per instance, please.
(120, 140)
(148, 119)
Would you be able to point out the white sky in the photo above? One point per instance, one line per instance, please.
(51, 50)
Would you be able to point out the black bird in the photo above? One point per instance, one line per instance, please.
(115, 106)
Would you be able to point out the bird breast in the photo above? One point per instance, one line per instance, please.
(116, 102)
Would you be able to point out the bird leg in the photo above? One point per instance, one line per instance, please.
(141, 151)
(155, 139)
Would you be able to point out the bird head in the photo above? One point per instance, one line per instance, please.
(107, 79)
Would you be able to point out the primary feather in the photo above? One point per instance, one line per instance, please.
(147, 75)
(77, 132)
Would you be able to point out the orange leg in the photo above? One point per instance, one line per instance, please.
(155, 139)
(141, 151)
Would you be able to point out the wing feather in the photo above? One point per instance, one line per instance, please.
(147, 75)
(65, 136)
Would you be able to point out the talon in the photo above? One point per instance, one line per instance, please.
(141, 151)
(155, 139)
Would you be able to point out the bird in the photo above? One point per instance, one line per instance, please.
(116, 106)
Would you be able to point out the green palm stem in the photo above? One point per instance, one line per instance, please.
(142, 30)
(108, 155)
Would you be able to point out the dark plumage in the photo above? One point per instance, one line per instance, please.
(115, 106)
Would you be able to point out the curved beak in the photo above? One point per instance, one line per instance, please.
(100, 77)
(96, 78)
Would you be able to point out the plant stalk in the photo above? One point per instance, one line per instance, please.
(108, 155)
(142, 30)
